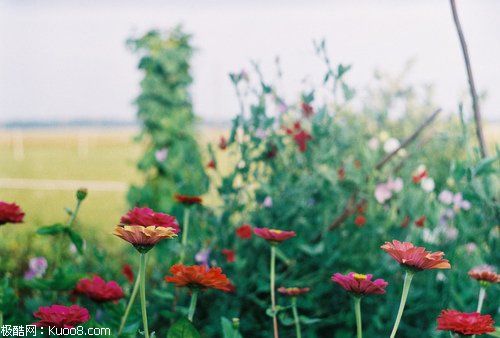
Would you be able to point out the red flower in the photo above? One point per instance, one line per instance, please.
(230, 255)
(341, 173)
(405, 221)
(293, 292)
(271, 152)
(61, 316)
(419, 176)
(199, 277)
(301, 138)
(359, 284)
(465, 323)
(244, 231)
(10, 213)
(143, 228)
(274, 236)
(128, 273)
(416, 258)
(188, 200)
(420, 222)
(211, 164)
(222, 143)
(307, 109)
(485, 273)
(146, 217)
(98, 290)
(360, 220)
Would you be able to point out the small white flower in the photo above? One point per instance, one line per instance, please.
(390, 145)
(427, 184)
(446, 197)
(373, 143)
(383, 135)
(241, 164)
(440, 276)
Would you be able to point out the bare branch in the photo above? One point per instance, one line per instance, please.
(409, 140)
(472, 87)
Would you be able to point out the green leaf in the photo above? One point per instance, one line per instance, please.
(308, 321)
(53, 229)
(496, 333)
(183, 328)
(485, 166)
(76, 239)
(228, 331)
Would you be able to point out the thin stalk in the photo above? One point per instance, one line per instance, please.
(130, 302)
(142, 277)
(404, 295)
(1, 319)
(296, 317)
(470, 77)
(273, 297)
(192, 305)
(185, 232)
(74, 213)
(482, 294)
(357, 312)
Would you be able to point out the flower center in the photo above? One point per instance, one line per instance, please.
(358, 276)
(276, 231)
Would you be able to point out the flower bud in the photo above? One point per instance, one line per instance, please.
(81, 194)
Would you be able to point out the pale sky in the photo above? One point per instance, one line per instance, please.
(67, 59)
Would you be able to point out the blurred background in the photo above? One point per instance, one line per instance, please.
(304, 147)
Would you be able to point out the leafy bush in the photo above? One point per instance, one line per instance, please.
(165, 110)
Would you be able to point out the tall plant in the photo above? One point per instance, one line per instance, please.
(166, 113)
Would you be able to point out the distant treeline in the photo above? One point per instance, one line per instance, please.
(36, 124)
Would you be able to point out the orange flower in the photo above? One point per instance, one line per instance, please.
(293, 292)
(199, 277)
(188, 200)
(485, 273)
(416, 258)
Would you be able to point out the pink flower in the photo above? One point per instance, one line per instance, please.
(274, 236)
(268, 202)
(147, 217)
(360, 285)
(161, 155)
(61, 316)
(446, 197)
(382, 193)
(414, 257)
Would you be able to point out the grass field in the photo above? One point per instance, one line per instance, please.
(41, 169)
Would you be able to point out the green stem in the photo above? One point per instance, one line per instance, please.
(130, 302)
(357, 311)
(273, 297)
(482, 294)
(74, 213)
(1, 319)
(296, 317)
(185, 232)
(404, 295)
(142, 277)
(192, 305)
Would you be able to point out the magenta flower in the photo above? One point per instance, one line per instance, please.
(360, 285)
(274, 236)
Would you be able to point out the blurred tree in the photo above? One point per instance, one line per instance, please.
(171, 161)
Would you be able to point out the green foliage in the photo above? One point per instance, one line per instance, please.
(183, 328)
(171, 162)
(275, 184)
